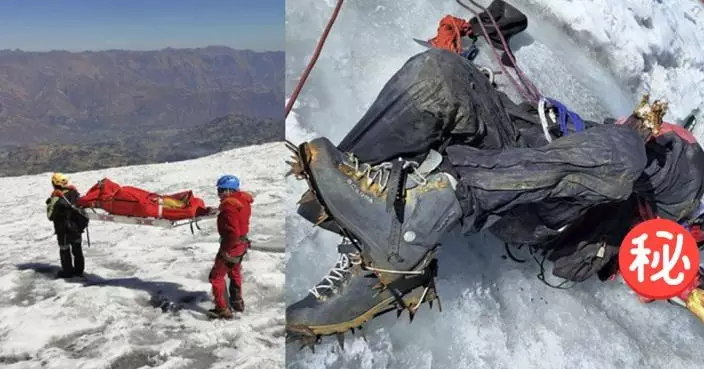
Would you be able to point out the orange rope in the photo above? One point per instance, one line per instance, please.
(450, 33)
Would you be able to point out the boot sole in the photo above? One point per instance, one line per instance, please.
(310, 335)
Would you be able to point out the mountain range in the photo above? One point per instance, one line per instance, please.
(57, 101)
(168, 145)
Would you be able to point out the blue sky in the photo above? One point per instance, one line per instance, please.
(76, 25)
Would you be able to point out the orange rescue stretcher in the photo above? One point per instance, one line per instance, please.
(111, 202)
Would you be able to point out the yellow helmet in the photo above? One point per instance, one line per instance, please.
(59, 179)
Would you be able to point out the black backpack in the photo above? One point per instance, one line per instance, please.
(79, 219)
(592, 244)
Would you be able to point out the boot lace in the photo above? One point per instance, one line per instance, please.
(381, 173)
(341, 270)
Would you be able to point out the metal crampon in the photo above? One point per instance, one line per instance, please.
(410, 302)
(296, 162)
(370, 279)
(651, 114)
(299, 167)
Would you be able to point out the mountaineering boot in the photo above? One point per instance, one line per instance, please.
(393, 216)
(349, 296)
(220, 313)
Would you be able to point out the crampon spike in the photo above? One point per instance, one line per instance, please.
(296, 169)
(411, 315)
(341, 340)
(291, 146)
(362, 333)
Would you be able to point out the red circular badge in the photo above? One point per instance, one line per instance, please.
(658, 259)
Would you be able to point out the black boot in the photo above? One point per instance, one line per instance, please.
(393, 215)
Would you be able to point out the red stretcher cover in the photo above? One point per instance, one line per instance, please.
(136, 202)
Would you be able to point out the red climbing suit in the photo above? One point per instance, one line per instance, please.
(233, 226)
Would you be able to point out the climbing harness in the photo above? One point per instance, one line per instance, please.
(561, 119)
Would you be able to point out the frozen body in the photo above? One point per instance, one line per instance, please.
(465, 275)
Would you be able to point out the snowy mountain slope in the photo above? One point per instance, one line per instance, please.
(496, 313)
(113, 319)
(648, 45)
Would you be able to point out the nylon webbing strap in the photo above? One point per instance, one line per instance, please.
(161, 206)
(395, 205)
(235, 259)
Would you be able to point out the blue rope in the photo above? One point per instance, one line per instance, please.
(563, 113)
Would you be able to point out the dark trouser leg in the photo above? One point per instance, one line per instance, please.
(235, 289)
(435, 95)
(66, 261)
(559, 181)
(78, 260)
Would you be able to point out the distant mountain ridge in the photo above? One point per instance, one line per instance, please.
(86, 97)
(174, 144)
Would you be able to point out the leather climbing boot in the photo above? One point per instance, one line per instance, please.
(220, 313)
(393, 216)
(349, 296)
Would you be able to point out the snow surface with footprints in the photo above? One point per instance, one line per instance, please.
(496, 313)
(145, 290)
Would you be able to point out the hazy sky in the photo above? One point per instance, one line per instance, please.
(75, 25)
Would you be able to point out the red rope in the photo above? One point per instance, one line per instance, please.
(530, 92)
(314, 58)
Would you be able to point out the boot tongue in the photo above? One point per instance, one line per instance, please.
(431, 162)
(347, 248)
